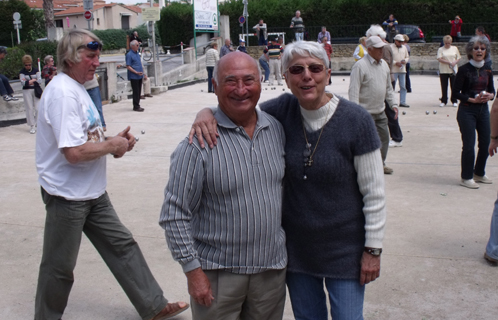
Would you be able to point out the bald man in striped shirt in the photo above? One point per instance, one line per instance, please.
(222, 207)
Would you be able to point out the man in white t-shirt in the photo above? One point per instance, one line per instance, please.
(71, 152)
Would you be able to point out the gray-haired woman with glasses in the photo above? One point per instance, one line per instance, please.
(474, 88)
(334, 201)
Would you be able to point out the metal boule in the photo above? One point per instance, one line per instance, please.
(435, 112)
(136, 139)
(404, 112)
(427, 112)
(143, 131)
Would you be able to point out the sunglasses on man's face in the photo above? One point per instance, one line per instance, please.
(94, 45)
(313, 68)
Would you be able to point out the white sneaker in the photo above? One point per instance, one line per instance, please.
(266, 81)
(33, 130)
(469, 184)
(483, 179)
(394, 144)
(455, 105)
(442, 104)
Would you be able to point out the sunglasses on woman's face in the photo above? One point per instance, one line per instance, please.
(313, 68)
(479, 48)
(27, 65)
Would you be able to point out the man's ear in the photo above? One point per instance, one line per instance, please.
(214, 85)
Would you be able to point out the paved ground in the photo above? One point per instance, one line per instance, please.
(432, 265)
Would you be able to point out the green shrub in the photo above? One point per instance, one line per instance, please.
(112, 39)
(176, 24)
(144, 34)
(12, 64)
(40, 49)
(32, 23)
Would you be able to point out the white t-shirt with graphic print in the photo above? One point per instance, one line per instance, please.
(67, 117)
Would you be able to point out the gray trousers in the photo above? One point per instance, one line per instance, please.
(383, 131)
(275, 71)
(65, 222)
(258, 296)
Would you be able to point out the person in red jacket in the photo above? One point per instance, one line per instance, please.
(456, 28)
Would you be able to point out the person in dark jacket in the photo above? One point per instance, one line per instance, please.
(474, 88)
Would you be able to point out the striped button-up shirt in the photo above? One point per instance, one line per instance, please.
(222, 206)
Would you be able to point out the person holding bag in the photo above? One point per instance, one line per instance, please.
(30, 77)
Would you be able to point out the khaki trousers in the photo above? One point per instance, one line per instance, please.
(258, 296)
(146, 86)
(31, 106)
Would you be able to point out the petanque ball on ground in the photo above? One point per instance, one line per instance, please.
(404, 112)
(136, 139)
(427, 112)
(143, 131)
(435, 112)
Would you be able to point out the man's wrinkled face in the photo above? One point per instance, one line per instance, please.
(239, 86)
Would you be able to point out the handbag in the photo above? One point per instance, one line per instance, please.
(38, 90)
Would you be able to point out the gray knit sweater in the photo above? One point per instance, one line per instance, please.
(322, 216)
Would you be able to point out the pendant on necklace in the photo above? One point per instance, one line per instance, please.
(308, 163)
(305, 177)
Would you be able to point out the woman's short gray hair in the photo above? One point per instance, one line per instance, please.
(68, 50)
(473, 41)
(304, 49)
(47, 59)
(376, 30)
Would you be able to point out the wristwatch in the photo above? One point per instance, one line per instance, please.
(374, 251)
(494, 137)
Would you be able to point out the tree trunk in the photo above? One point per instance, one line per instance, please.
(48, 10)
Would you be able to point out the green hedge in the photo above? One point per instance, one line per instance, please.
(112, 39)
(176, 24)
(12, 64)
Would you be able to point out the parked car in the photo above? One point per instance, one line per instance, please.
(413, 32)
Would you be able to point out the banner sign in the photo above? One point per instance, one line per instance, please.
(206, 14)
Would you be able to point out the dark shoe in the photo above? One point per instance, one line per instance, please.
(142, 97)
(149, 95)
(404, 105)
(138, 109)
(171, 310)
(489, 259)
(409, 90)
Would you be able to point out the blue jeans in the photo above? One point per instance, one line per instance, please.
(492, 247)
(402, 86)
(97, 100)
(262, 41)
(299, 36)
(309, 300)
(65, 222)
(471, 119)
(210, 76)
(265, 66)
(5, 87)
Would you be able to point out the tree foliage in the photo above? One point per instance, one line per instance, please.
(31, 21)
(176, 24)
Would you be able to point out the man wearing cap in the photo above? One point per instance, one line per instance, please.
(370, 85)
(398, 70)
(274, 51)
(242, 46)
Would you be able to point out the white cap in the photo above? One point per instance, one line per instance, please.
(375, 42)
(399, 37)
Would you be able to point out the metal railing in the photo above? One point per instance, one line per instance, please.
(354, 32)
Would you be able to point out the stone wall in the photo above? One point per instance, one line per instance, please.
(423, 55)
